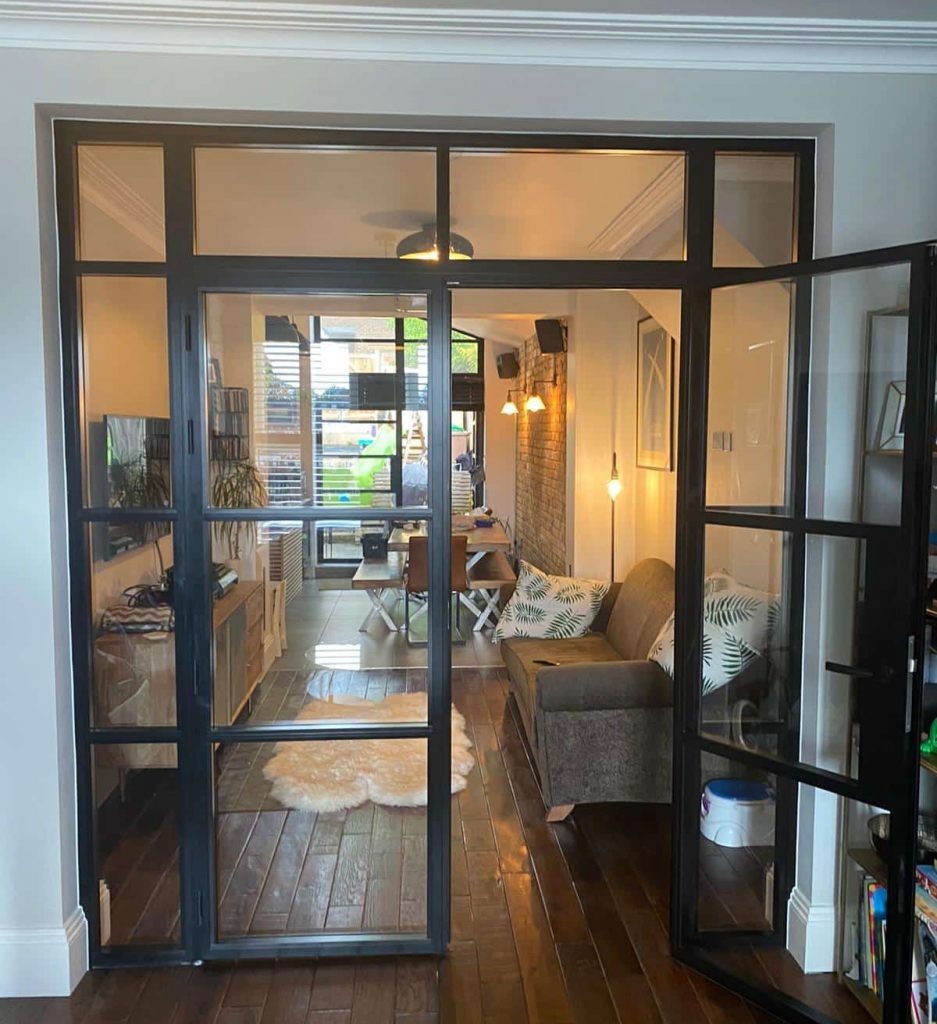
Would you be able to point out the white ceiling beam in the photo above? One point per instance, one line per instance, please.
(299, 29)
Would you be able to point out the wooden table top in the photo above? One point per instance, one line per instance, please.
(480, 538)
(379, 573)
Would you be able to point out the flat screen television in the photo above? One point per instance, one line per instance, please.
(134, 460)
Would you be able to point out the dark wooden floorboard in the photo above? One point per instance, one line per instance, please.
(560, 924)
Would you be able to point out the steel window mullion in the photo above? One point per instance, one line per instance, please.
(79, 556)
(798, 771)
(547, 139)
(690, 543)
(300, 731)
(321, 944)
(137, 734)
(440, 651)
(121, 268)
(727, 277)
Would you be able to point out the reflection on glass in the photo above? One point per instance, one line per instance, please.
(125, 374)
(133, 625)
(601, 205)
(753, 215)
(311, 202)
(746, 644)
(299, 637)
(856, 447)
(742, 822)
(289, 863)
(120, 203)
(136, 800)
(749, 388)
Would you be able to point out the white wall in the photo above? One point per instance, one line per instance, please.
(878, 147)
(602, 397)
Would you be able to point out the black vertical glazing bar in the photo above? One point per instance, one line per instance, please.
(67, 214)
(690, 542)
(440, 681)
(916, 504)
(190, 637)
(443, 213)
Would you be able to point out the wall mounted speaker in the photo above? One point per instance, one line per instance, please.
(508, 366)
(551, 335)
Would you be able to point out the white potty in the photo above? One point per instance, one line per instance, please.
(738, 812)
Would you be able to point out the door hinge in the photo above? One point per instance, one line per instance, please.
(188, 332)
(191, 437)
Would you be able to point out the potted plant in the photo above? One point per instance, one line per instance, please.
(237, 484)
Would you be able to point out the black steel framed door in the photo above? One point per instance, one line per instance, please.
(806, 444)
(257, 857)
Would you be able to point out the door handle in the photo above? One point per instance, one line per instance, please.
(849, 670)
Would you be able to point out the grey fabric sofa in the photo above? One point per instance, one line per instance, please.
(599, 720)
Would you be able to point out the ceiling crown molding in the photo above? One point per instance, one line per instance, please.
(293, 28)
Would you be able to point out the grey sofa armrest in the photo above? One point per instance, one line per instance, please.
(603, 686)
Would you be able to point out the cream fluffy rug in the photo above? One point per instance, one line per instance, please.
(335, 775)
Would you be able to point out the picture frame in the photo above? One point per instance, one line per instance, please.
(891, 428)
(214, 373)
(654, 434)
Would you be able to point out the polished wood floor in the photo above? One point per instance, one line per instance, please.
(559, 924)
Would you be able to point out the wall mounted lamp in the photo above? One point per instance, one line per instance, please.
(510, 407)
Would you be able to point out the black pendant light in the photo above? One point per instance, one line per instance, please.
(421, 245)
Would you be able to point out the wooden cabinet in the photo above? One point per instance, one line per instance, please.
(239, 639)
(135, 676)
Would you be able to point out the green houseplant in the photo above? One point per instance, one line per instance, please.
(237, 484)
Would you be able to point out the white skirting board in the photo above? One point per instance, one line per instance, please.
(44, 961)
(811, 934)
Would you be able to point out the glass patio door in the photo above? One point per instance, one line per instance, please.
(318, 737)
(806, 450)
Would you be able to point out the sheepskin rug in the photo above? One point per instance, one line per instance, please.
(336, 775)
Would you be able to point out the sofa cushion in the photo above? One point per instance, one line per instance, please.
(644, 604)
(737, 625)
(521, 655)
(552, 607)
(604, 686)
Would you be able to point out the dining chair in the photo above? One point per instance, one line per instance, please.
(416, 583)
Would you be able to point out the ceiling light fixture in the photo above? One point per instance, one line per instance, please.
(421, 245)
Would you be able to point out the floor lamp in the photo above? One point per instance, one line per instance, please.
(614, 489)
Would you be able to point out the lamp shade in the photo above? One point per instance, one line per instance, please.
(534, 404)
(421, 245)
(509, 408)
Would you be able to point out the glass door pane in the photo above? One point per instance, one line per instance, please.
(324, 620)
(806, 581)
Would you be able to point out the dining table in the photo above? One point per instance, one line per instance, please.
(482, 544)
(479, 539)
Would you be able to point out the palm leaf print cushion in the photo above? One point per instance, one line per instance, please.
(550, 607)
(737, 625)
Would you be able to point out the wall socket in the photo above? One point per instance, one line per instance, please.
(722, 440)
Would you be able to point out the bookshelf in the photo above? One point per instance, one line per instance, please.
(229, 424)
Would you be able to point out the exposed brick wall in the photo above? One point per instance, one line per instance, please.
(540, 502)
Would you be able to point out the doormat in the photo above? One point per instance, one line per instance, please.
(336, 775)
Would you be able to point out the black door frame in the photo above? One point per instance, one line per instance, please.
(898, 790)
(187, 276)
